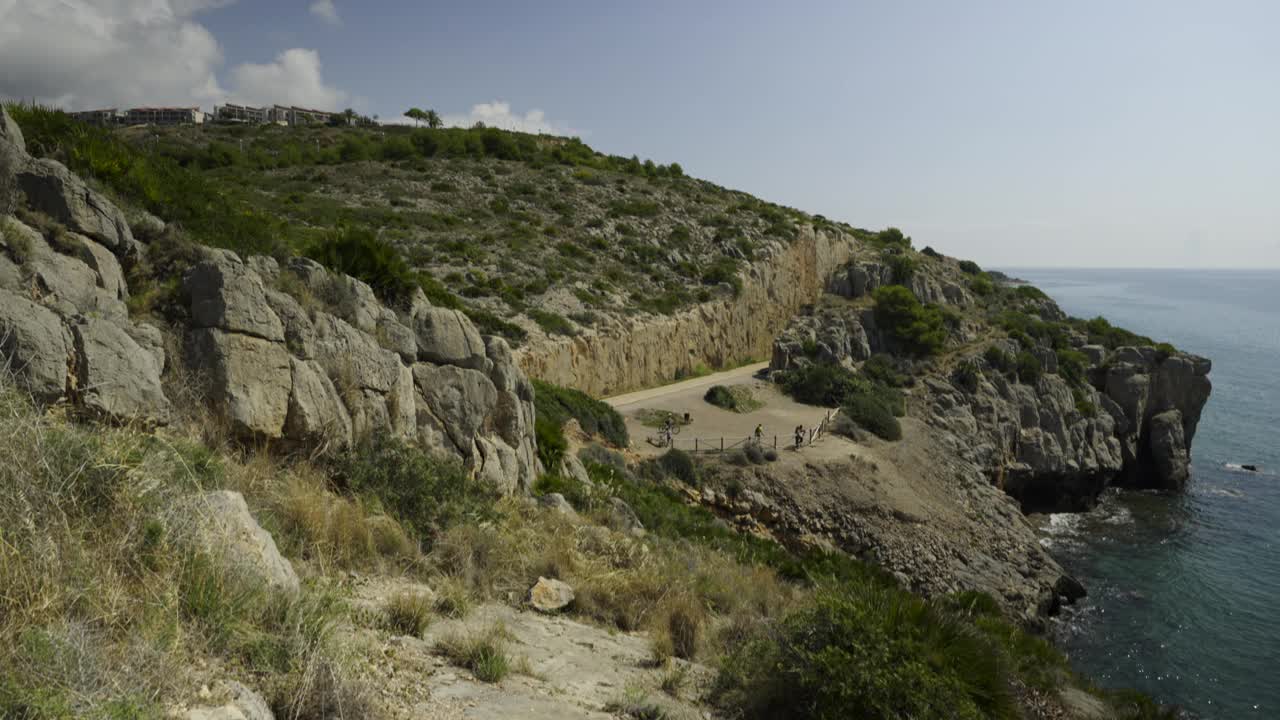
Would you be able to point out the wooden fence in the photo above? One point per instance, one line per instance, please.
(723, 444)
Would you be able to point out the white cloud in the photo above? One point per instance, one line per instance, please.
(326, 11)
(293, 79)
(97, 53)
(498, 114)
(83, 54)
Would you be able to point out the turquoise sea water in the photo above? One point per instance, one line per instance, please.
(1184, 591)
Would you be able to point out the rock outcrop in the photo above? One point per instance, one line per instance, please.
(319, 370)
(219, 525)
(1053, 444)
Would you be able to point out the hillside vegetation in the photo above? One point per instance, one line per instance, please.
(525, 232)
(113, 606)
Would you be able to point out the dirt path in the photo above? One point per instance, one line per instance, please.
(713, 426)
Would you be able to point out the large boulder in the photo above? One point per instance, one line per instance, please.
(352, 358)
(461, 399)
(299, 333)
(107, 267)
(447, 337)
(316, 413)
(219, 524)
(117, 379)
(227, 295)
(51, 188)
(249, 378)
(550, 595)
(35, 346)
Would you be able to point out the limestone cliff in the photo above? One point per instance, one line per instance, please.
(292, 355)
(650, 350)
(1054, 437)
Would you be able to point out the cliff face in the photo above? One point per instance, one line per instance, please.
(1128, 418)
(653, 350)
(294, 356)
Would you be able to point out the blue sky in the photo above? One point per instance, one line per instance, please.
(1136, 134)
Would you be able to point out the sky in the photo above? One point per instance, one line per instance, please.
(1019, 133)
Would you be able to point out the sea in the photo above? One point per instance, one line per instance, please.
(1184, 589)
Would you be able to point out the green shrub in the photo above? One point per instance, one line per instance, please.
(834, 386)
(551, 322)
(982, 286)
(920, 329)
(890, 237)
(866, 651)
(679, 464)
(737, 398)
(903, 267)
(1072, 365)
(999, 360)
(1084, 405)
(484, 653)
(872, 413)
(557, 404)
(1029, 368)
(881, 368)
(970, 267)
(361, 254)
(1030, 292)
(1104, 333)
(425, 493)
(723, 270)
(930, 252)
(1164, 351)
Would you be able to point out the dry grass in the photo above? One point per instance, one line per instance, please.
(105, 611)
(678, 590)
(408, 613)
(334, 532)
(483, 652)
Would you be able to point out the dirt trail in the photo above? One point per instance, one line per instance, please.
(711, 425)
(569, 670)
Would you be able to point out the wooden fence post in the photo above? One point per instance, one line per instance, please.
(695, 446)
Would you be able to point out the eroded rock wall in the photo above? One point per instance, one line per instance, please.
(320, 366)
(651, 350)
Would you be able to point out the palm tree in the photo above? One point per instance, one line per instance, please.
(433, 119)
(416, 115)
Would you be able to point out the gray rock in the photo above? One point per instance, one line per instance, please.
(316, 413)
(227, 295)
(402, 404)
(556, 503)
(499, 465)
(51, 188)
(299, 333)
(448, 337)
(264, 266)
(35, 346)
(1097, 354)
(10, 133)
(395, 337)
(238, 703)
(220, 525)
(460, 399)
(117, 379)
(352, 358)
(623, 519)
(150, 339)
(101, 261)
(550, 596)
(1169, 450)
(355, 302)
(311, 273)
(249, 378)
(572, 467)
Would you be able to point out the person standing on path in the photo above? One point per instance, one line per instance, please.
(799, 436)
(759, 433)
